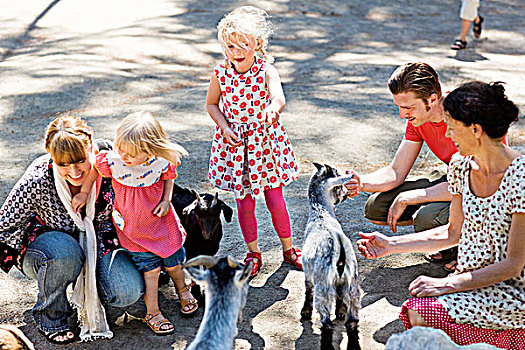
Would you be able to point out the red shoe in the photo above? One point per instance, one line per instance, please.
(256, 263)
(287, 257)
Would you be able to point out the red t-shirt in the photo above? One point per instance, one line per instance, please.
(434, 135)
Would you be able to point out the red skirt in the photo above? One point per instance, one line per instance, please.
(462, 334)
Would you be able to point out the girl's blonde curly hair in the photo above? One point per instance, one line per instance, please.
(245, 22)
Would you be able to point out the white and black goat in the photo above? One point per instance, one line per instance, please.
(329, 262)
(226, 283)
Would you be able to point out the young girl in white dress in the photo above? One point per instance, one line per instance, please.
(251, 154)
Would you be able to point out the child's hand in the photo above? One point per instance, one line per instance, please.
(162, 209)
(271, 115)
(79, 200)
(230, 138)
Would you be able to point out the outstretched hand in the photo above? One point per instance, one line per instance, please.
(373, 245)
(354, 185)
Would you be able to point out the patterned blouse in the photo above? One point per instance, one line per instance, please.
(483, 242)
(33, 207)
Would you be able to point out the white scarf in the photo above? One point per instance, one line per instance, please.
(91, 314)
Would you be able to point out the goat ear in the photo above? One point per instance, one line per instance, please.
(317, 165)
(215, 199)
(227, 212)
(241, 276)
(197, 273)
(190, 208)
(338, 181)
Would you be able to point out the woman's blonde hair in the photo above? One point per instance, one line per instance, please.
(142, 132)
(245, 22)
(68, 140)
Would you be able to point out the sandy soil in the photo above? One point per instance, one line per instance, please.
(104, 59)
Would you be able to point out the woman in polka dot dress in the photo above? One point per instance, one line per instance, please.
(251, 154)
(483, 301)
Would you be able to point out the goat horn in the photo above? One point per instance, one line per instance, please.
(204, 260)
(232, 263)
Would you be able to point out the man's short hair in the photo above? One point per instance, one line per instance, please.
(418, 77)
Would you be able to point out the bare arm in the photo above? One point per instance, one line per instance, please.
(276, 92)
(164, 206)
(375, 245)
(388, 177)
(80, 199)
(510, 267)
(212, 106)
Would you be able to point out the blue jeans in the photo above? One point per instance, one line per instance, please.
(55, 260)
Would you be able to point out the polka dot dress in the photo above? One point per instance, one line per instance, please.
(265, 160)
(462, 334)
(496, 314)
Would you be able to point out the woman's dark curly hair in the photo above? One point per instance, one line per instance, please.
(485, 104)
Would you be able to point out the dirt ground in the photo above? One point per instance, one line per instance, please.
(104, 59)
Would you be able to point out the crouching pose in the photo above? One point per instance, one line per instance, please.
(330, 266)
(64, 243)
(484, 300)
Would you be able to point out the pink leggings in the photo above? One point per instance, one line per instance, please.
(276, 206)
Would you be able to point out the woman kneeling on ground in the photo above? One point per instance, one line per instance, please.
(484, 300)
(63, 243)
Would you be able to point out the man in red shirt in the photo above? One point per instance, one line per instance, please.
(423, 202)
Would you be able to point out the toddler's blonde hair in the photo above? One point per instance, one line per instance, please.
(142, 132)
(245, 22)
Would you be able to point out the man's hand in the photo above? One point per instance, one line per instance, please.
(162, 209)
(79, 200)
(396, 210)
(354, 185)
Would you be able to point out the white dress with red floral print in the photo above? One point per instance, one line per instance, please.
(265, 160)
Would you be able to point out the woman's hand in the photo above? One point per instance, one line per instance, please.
(425, 286)
(230, 138)
(162, 209)
(373, 245)
(354, 185)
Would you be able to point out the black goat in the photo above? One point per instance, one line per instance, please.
(200, 214)
(201, 217)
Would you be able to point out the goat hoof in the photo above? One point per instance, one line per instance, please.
(306, 315)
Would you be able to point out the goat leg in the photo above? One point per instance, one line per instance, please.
(306, 312)
(352, 333)
(326, 336)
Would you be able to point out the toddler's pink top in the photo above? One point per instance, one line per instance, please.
(138, 190)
